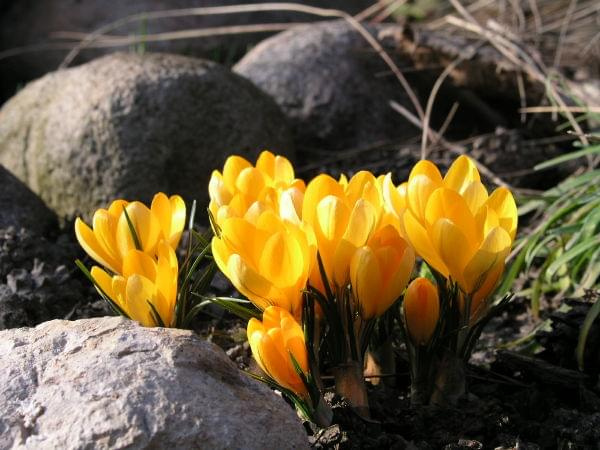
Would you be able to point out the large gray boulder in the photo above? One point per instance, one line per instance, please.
(331, 85)
(34, 23)
(109, 383)
(129, 125)
(21, 208)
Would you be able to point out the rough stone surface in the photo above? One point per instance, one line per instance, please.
(128, 126)
(109, 383)
(327, 79)
(33, 22)
(22, 208)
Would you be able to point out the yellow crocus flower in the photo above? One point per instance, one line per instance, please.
(273, 341)
(458, 229)
(341, 225)
(266, 258)
(421, 310)
(233, 192)
(144, 279)
(110, 238)
(380, 270)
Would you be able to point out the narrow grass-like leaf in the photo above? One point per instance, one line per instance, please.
(134, 236)
(116, 308)
(244, 309)
(568, 157)
(155, 314)
(584, 331)
(572, 253)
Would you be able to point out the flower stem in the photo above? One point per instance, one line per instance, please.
(350, 383)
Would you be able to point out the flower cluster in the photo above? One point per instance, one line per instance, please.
(336, 254)
(136, 246)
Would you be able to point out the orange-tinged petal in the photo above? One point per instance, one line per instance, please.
(461, 174)
(421, 310)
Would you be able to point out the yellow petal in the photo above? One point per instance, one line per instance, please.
(503, 203)
(171, 216)
(397, 266)
(137, 262)
(418, 191)
(365, 276)
(253, 285)
(461, 174)
(492, 252)
(447, 204)
(453, 247)
(140, 291)
(281, 261)
(104, 281)
(475, 195)
(104, 226)
(290, 205)
(428, 169)
(278, 168)
(217, 189)
(251, 182)
(146, 225)
(231, 170)
(166, 282)
(87, 240)
(422, 242)
(319, 188)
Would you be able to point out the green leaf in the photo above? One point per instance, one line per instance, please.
(571, 254)
(584, 331)
(568, 157)
(155, 315)
(134, 235)
(116, 308)
(244, 309)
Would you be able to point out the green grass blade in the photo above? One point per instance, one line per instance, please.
(584, 331)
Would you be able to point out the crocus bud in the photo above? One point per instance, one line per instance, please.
(273, 342)
(421, 310)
